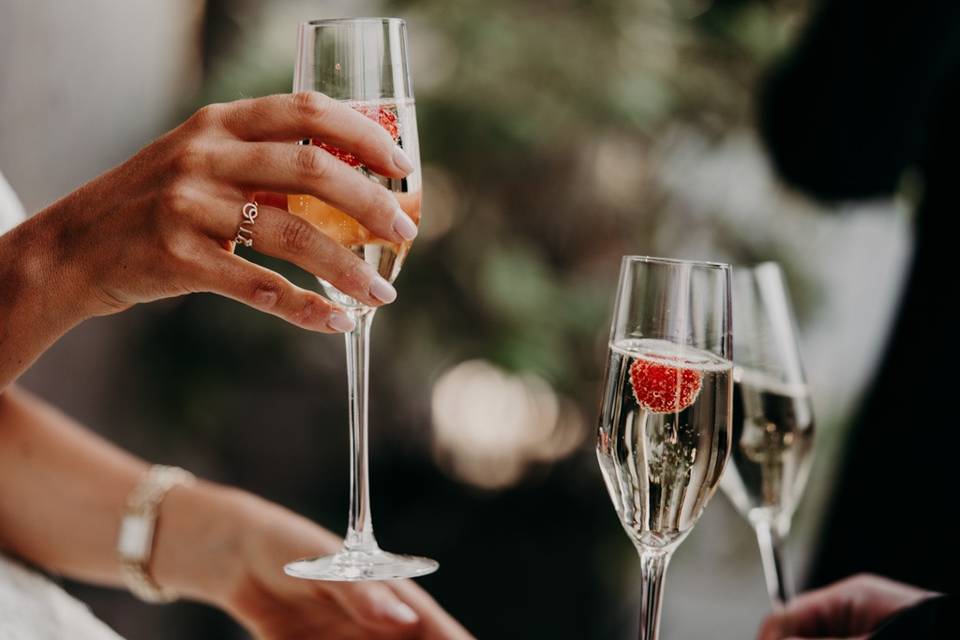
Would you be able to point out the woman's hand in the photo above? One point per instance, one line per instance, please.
(851, 608)
(228, 548)
(62, 495)
(161, 224)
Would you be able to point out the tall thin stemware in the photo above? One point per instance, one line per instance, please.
(362, 62)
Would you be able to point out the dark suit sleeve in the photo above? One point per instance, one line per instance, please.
(844, 114)
(933, 619)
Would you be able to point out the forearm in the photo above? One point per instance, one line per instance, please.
(62, 490)
(62, 494)
(39, 296)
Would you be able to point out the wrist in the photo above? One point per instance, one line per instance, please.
(199, 541)
(45, 278)
(38, 297)
(72, 259)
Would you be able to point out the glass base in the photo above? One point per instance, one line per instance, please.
(353, 566)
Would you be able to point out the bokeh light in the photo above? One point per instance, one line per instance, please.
(489, 425)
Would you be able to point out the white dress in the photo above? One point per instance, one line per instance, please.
(32, 607)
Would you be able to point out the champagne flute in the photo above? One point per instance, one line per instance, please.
(664, 433)
(772, 418)
(362, 62)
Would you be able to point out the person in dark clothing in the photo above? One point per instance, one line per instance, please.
(871, 95)
(863, 604)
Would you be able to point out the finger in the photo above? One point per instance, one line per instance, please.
(821, 613)
(291, 238)
(264, 290)
(772, 627)
(822, 638)
(435, 622)
(808, 621)
(313, 115)
(278, 200)
(308, 169)
(373, 605)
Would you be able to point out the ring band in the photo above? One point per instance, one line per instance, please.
(245, 232)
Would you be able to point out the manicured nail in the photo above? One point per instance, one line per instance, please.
(402, 160)
(400, 613)
(339, 321)
(404, 226)
(382, 290)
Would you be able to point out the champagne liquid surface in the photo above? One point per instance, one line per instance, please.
(385, 256)
(661, 469)
(773, 432)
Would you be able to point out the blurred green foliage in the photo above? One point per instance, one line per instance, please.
(541, 119)
(539, 124)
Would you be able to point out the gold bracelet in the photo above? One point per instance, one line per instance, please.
(137, 529)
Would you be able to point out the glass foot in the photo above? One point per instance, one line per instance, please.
(351, 566)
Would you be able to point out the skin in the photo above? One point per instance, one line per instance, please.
(849, 609)
(62, 491)
(162, 225)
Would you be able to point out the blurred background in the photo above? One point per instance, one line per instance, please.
(557, 135)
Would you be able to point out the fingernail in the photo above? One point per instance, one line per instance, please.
(402, 160)
(400, 613)
(404, 226)
(382, 290)
(339, 321)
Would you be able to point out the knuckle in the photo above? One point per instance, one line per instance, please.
(296, 235)
(311, 104)
(268, 293)
(190, 157)
(208, 115)
(311, 312)
(177, 247)
(312, 162)
(177, 197)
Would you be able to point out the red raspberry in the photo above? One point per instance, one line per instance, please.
(340, 154)
(663, 388)
(384, 117)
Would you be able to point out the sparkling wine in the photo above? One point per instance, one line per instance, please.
(664, 436)
(772, 446)
(400, 120)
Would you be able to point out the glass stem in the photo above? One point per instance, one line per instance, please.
(360, 528)
(775, 570)
(654, 570)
